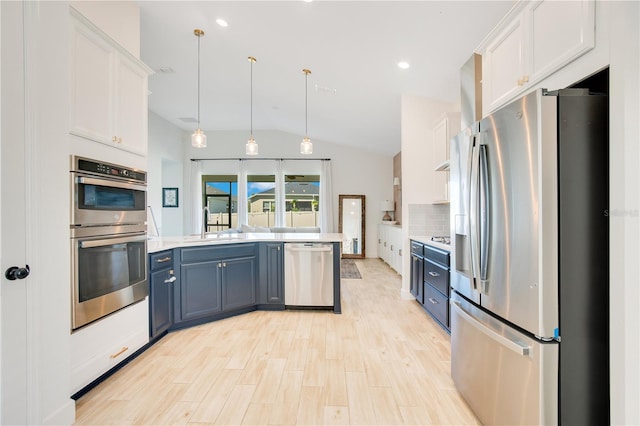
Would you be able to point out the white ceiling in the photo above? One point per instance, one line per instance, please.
(351, 48)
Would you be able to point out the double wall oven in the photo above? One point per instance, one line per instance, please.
(108, 238)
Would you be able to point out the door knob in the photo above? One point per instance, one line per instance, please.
(15, 273)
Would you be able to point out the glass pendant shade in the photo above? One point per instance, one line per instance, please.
(252, 146)
(199, 139)
(306, 147)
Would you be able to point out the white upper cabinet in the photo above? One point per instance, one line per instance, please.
(531, 44)
(438, 183)
(108, 100)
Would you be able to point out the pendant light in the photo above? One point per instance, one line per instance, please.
(198, 138)
(252, 146)
(306, 147)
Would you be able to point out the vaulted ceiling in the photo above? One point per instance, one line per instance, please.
(352, 49)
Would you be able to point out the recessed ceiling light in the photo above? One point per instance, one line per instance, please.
(403, 65)
(222, 22)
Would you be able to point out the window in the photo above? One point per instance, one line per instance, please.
(302, 198)
(261, 200)
(220, 196)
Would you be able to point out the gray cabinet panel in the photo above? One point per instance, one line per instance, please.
(271, 274)
(200, 290)
(238, 283)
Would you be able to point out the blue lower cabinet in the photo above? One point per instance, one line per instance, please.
(271, 276)
(215, 282)
(200, 290)
(161, 281)
(238, 283)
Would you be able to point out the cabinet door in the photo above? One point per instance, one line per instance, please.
(561, 31)
(503, 66)
(238, 282)
(200, 290)
(131, 107)
(160, 301)
(417, 278)
(91, 85)
(274, 275)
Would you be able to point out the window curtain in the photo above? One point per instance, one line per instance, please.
(195, 184)
(326, 198)
(243, 215)
(280, 196)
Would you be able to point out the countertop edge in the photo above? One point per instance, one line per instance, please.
(167, 243)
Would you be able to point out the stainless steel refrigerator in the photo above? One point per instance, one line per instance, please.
(530, 268)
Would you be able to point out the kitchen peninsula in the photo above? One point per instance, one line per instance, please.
(194, 279)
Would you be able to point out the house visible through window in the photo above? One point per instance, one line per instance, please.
(261, 200)
(220, 196)
(302, 200)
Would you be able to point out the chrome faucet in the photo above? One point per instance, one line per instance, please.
(205, 220)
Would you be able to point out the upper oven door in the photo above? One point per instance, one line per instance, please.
(103, 201)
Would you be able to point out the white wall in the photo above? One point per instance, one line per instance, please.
(418, 116)
(355, 172)
(164, 168)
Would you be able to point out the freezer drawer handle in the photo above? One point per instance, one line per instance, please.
(507, 343)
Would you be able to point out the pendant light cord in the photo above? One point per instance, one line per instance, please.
(251, 85)
(306, 103)
(198, 80)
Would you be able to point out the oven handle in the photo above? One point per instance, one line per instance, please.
(110, 241)
(104, 182)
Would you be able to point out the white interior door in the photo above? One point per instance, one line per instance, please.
(13, 220)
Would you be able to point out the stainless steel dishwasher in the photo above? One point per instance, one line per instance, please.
(308, 275)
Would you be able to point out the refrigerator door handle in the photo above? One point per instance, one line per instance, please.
(516, 347)
(484, 214)
(474, 249)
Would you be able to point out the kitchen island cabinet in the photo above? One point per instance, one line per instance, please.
(161, 279)
(271, 281)
(214, 283)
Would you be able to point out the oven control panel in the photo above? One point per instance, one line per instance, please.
(107, 169)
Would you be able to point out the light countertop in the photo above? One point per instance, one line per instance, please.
(166, 243)
(427, 240)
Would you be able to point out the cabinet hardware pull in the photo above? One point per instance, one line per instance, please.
(219, 265)
(400, 252)
(520, 82)
(164, 259)
(433, 301)
(525, 79)
(391, 247)
(120, 352)
(434, 274)
(170, 280)
(224, 264)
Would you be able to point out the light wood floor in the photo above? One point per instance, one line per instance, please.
(383, 361)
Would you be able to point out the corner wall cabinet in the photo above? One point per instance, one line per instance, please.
(534, 42)
(108, 89)
(443, 130)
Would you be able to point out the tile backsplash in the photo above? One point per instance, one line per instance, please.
(428, 219)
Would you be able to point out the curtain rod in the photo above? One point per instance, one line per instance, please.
(259, 159)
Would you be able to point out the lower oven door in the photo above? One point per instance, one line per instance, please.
(109, 273)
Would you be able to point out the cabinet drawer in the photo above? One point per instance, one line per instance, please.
(161, 260)
(437, 276)
(417, 248)
(436, 255)
(437, 304)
